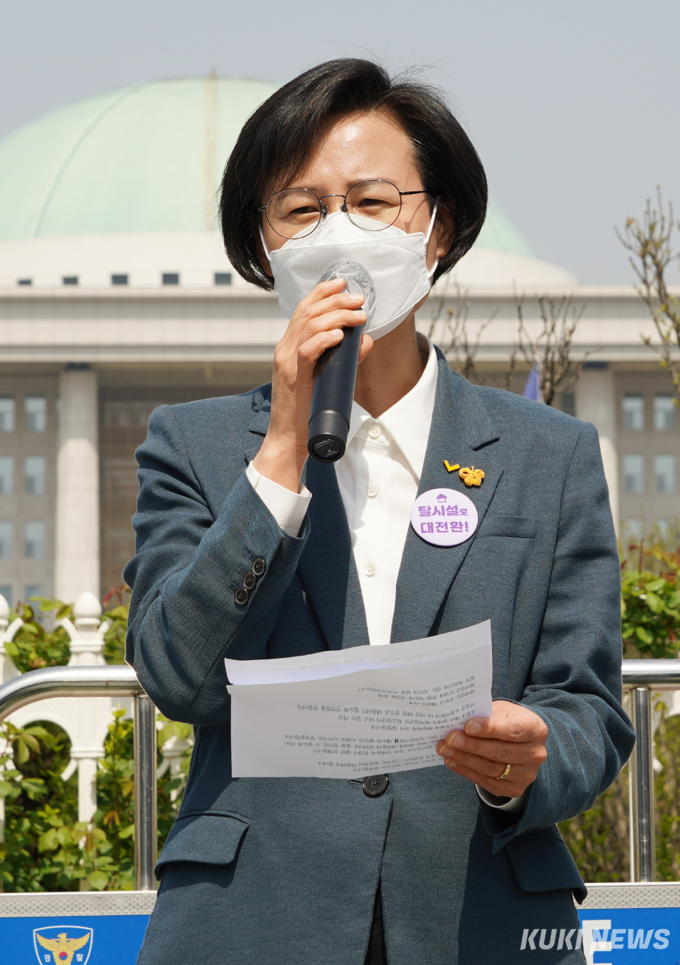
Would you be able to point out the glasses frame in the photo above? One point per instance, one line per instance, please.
(323, 208)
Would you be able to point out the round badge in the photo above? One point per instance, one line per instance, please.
(444, 517)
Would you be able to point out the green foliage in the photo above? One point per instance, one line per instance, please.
(650, 601)
(599, 838)
(33, 853)
(33, 646)
(667, 796)
(45, 847)
(117, 616)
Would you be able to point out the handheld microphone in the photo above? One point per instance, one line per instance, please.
(336, 371)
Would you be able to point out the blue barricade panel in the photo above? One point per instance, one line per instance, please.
(620, 925)
(629, 924)
(632, 935)
(74, 928)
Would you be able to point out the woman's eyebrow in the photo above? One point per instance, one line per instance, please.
(349, 183)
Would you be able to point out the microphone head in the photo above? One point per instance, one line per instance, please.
(357, 282)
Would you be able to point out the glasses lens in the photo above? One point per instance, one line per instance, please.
(294, 212)
(378, 202)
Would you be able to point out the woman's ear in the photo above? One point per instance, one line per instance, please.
(445, 231)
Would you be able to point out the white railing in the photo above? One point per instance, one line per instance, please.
(85, 721)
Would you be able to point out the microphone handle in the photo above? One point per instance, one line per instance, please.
(336, 373)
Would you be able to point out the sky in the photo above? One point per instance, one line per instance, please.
(572, 106)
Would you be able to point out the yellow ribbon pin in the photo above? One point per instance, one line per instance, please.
(471, 476)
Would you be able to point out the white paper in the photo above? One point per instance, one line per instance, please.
(355, 712)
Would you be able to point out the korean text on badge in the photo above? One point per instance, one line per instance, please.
(444, 517)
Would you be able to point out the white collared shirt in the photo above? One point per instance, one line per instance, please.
(378, 479)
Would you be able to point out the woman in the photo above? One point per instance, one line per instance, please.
(248, 550)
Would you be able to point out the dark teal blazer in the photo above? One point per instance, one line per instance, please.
(284, 871)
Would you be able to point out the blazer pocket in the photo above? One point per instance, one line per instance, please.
(541, 861)
(203, 838)
(521, 527)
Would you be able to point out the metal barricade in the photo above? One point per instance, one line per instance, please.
(109, 681)
(641, 677)
(120, 917)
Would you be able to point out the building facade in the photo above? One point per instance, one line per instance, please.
(116, 297)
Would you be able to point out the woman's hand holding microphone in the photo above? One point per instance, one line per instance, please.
(316, 326)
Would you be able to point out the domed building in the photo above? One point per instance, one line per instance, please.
(116, 296)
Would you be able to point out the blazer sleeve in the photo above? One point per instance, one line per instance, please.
(184, 618)
(575, 679)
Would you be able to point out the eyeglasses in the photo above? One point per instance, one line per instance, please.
(371, 205)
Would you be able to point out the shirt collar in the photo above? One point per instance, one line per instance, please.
(408, 420)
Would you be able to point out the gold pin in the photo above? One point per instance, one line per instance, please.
(450, 468)
(471, 476)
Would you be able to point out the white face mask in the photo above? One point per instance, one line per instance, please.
(395, 260)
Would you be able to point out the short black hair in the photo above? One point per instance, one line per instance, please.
(278, 138)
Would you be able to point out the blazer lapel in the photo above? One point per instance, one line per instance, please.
(460, 426)
(326, 567)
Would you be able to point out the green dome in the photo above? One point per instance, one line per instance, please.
(146, 158)
(500, 234)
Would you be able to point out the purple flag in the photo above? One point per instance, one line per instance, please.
(532, 390)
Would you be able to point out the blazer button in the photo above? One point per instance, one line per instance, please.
(249, 581)
(376, 785)
(259, 566)
(241, 596)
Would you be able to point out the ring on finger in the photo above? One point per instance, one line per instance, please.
(505, 773)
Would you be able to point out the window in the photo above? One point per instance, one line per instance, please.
(25, 281)
(33, 589)
(664, 412)
(223, 278)
(664, 470)
(6, 591)
(633, 412)
(6, 413)
(34, 476)
(119, 279)
(634, 474)
(70, 280)
(36, 413)
(170, 278)
(34, 542)
(6, 475)
(569, 403)
(632, 530)
(6, 540)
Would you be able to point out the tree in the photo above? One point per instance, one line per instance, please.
(651, 250)
(551, 350)
(455, 340)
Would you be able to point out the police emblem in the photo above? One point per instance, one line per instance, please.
(63, 944)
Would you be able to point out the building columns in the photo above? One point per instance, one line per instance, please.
(596, 403)
(77, 510)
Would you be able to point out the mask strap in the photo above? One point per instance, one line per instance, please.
(432, 219)
(264, 243)
(428, 236)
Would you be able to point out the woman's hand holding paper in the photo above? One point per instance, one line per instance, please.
(514, 735)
